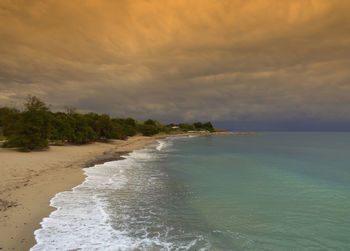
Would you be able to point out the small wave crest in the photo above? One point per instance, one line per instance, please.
(82, 220)
(163, 144)
(113, 209)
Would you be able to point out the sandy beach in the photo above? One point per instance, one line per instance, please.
(30, 180)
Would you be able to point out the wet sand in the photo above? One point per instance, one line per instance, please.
(30, 180)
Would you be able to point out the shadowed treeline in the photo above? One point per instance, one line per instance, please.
(36, 126)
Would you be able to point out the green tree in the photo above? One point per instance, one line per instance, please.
(126, 127)
(186, 127)
(31, 130)
(104, 127)
(61, 127)
(8, 117)
(82, 133)
(208, 126)
(198, 125)
(33, 104)
(148, 130)
(151, 122)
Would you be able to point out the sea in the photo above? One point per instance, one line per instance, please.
(272, 191)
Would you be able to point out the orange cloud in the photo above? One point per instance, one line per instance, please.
(180, 59)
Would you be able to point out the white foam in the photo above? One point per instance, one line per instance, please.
(164, 144)
(83, 220)
(80, 220)
(193, 136)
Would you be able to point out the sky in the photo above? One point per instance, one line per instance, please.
(243, 64)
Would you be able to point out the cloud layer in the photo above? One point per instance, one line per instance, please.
(180, 60)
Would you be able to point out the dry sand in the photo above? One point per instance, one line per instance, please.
(30, 180)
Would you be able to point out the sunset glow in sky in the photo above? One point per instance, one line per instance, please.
(251, 61)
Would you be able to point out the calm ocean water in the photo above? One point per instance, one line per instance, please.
(275, 191)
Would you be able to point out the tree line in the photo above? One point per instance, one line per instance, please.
(37, 126)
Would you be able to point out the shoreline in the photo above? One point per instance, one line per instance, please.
(26, 190)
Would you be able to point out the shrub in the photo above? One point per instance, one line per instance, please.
(30, 129)
(148, 130)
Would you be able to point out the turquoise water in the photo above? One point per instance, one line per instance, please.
(274, 191)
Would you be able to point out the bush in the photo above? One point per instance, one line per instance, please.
(33, 128)
(8, 117)
(148, 130)
(29, 130)
(208, 126)
(82, 133)
(126, 127)
(186, 127)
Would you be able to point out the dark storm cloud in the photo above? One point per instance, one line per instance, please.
(218, 60)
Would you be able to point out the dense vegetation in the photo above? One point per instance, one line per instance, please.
(36, 126)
